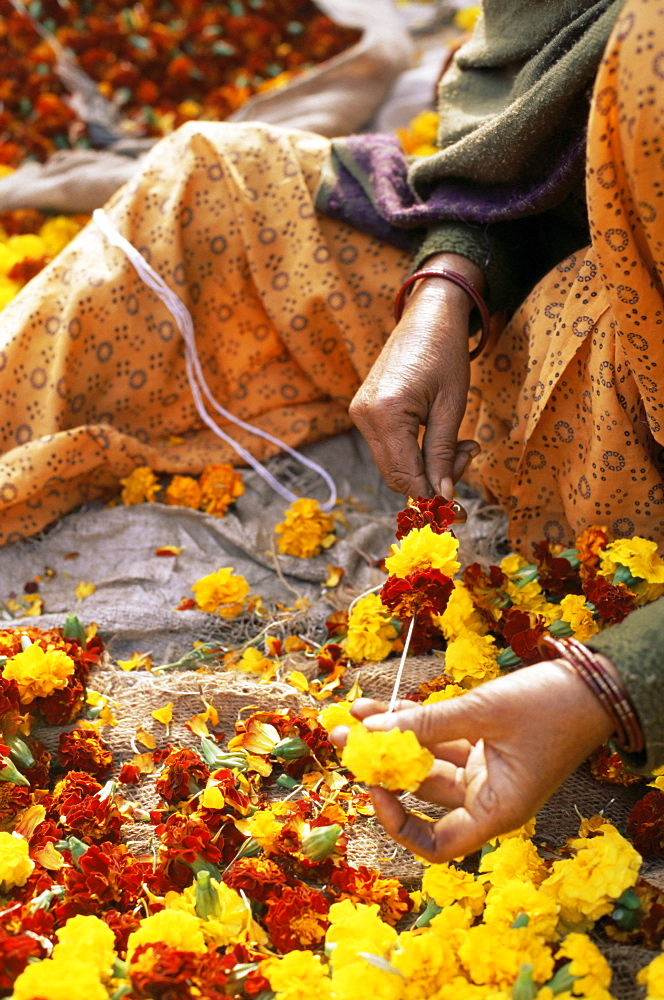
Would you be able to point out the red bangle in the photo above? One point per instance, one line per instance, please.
(459, 280)
(612, 696)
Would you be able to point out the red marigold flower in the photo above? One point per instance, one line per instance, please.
(15, 950)
(85, 750)
(486, 587)
(80, 811)
(613, 601)
(39, 774)
(106, 876)
(365, 885)
(645, 824)
(556, 573)
(183, 774)
(424, 592)
(297, 919)
(13, 800)
(607, 766)
(261, 878)
(10, 707)
(436, 511)
(159, 971)
(522, 631)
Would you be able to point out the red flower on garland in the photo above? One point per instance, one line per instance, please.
(421, 594)
(183, 774)
(555, 572)
(486, 587)
(85, 750)
(645, 824)
(297, 919)
(613, 601)
(522, 631)
(437, 512)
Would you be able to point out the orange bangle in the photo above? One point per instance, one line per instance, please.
(457, 279)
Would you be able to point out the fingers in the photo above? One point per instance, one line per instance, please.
(453, 836)
(391, 430)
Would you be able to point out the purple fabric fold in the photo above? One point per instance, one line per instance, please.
(370, 190)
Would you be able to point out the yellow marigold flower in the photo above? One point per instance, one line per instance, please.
(305, 530)
(589, 967)
(337, 714)
(38, 672)
(370, 631)
(447, 884)
(362, 979)
(639, 556)
(299, 975)
(449, 691)
(221, 485)
(356, 927)
(574, 610)
(221, 592)
(493, 957)
(505, 902)
(652, 977)
(586, 885)
(512, 563)
(88, 939)
(8, 289)
(452, 921)
(184, 491)
(264, 828)
(422, 548)
(59, 979)
(392, 759)
(139, 486)
(471, 659)
(532, 598)
(514, 858)
(57, 232)
(426, 961)
(174, 928)
(229, 918)
(15, 861)
(460, 614)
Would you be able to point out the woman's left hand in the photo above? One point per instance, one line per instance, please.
(501, 750)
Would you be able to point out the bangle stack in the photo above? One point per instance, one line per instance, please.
(457, 279)
(628, 735)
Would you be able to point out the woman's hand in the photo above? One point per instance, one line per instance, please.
(421, 379)
(501, 750)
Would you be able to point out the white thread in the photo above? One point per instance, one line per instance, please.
(197, 383)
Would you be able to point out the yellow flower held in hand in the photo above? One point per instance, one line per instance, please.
(392, 759)
(38, 672)
(221, 592)
(15, 861)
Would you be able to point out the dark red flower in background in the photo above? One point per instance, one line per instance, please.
(645, 824)
(613, 601)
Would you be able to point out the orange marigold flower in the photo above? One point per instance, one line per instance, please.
(184, 491)
(139, 486)
(221, 485)
(297, 918)
(85, 750)
(365, 885)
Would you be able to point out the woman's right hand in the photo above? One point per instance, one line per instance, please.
(420, 379)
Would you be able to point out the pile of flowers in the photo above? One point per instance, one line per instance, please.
(28, 241)
(247, 890)
(217, 487)
(158, 63)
